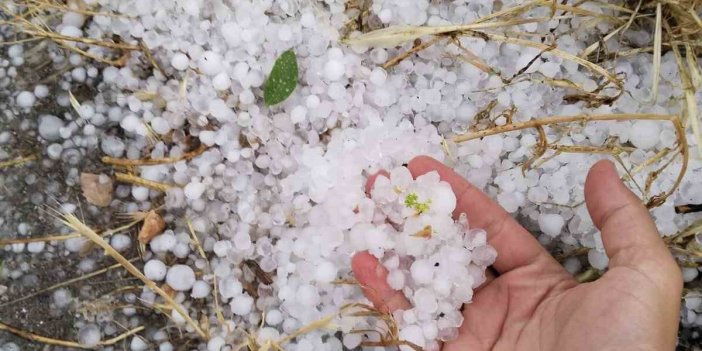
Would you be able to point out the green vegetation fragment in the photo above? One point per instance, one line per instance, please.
(282, 80)
(412, 201)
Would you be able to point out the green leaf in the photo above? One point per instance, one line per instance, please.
(282, 80)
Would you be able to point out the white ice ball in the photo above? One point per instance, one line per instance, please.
(231, 33)
(274, 317)
(414, 334)
(180, 61)
(572, 265)
(242, 304)
(210, 63)
(215, 343)
(200, 290)
(334, 70)
(180, 277)
(194, 190)
(221, 82)
(138, 344)
(325, 272)
(307, 295)
(443, 200)
(597, 259)
(644, 134)
(155, 270)
(89, 335)
(551, 224)
(26, 99)
(422, 271)
(49, 127)
(120, 242)
(689, 274)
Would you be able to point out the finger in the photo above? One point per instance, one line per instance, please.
(629, 234)
(371, 180)
(515, 246)
(372, 277)
(482, 319)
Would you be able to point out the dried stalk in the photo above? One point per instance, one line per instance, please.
(536, 123)
(691, 230)
(394, 36)
(73, 222)
(17, 162)
(33, 25)
(65, 283)
(657, 42)
(215, 292)
(154, 161)
(66, 343)
(39, 239)
(106, 232)
(132, 179)
(415, 49)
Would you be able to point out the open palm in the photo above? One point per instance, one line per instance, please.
(532, 303)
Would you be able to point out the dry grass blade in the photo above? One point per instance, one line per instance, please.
(65, 283)
(215, 291)
(417, 48)
(39, 239)
(593, 98)
(692, 114)
(154, 161)
(73, 222)
(554, 51)
(654, 201)
(596, 45)
(104, 233)
(132, 179)
(397, 35)
(66, 343)
(17, 162)
(694, 228)
(34, 24)
(74, 102)
(657, 43)
(472, 58)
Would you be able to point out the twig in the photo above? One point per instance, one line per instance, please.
(130, 178)
(691, 208)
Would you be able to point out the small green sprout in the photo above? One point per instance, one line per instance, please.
(412, 201)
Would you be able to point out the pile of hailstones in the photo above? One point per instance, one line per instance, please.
(434, 260)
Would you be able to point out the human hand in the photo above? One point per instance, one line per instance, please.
(532, 303)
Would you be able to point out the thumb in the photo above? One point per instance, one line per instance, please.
(372, 277)
(629, 234)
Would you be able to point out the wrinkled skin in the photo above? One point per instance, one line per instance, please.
(530, 302)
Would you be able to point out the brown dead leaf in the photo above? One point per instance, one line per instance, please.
(426, 232)
(97, 188)
(153, 225)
